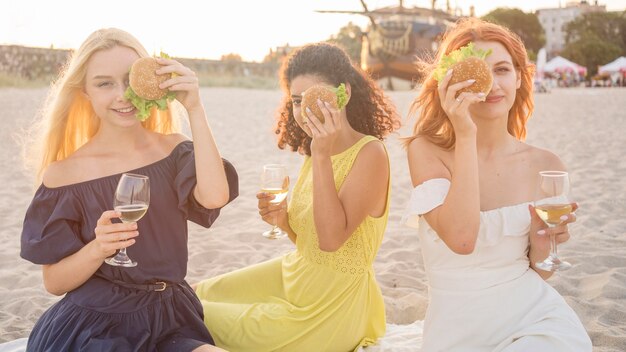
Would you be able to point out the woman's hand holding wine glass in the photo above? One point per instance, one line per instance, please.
(111, 237)
(272, 198)
(132, 198)
(554, 207)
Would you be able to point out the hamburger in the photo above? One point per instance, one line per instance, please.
(143, 87)
(336, 97)
(467, 63)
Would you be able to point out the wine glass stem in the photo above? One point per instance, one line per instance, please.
(553, 245)
(123, 251)
(275, 229)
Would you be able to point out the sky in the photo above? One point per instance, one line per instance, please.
(209, 29)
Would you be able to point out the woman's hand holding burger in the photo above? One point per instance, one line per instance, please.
(154, 81)
(183, 82)
(320, 109)
(457, 109)
(464, 78)
(325, 133)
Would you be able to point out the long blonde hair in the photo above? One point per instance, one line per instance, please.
(68, 120)
(433, 123)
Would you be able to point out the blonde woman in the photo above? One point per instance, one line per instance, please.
(90, 136)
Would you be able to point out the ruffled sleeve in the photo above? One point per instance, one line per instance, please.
(51, 229)
(496, 224)
(424, 198)
(185, 182)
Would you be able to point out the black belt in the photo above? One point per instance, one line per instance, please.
(157, 286)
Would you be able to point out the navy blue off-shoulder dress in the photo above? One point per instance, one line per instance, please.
(103, 314)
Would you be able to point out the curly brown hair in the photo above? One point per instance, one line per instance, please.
(369, 111)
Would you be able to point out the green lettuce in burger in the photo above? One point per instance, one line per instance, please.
(466, 63)
(336, 97)
(143, 87)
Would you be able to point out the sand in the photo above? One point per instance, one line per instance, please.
(583, 126)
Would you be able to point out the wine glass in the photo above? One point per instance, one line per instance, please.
(132, 198)
(553, 203)
(274, 180)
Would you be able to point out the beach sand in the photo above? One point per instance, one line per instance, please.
(584, 126)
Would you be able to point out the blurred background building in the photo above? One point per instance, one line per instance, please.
(553, 21)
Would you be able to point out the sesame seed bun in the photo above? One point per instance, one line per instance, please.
(309, 100)
(472, 68)
(144, 81)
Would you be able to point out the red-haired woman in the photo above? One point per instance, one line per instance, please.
(474, 183)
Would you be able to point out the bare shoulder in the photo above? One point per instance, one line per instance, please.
(544, 159)
(421, 146)
(373, 151)
(65, 172)
(427, 160)
(372, 161)
(420, 149)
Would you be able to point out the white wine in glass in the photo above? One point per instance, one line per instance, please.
(274, 180)
(132, 198)
(132, 212)
(553, 202)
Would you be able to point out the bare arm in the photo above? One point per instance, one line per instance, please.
(211, 190)
(338, 214)
(74, 270)
(457, 220)
(70, 272)
(293, 236)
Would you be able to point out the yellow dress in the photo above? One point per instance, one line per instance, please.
(306, 300)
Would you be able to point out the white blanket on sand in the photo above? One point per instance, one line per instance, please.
(18, 345)
(399, 338)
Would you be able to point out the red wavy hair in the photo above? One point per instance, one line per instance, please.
(433, 123)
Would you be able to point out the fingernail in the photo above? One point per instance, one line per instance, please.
(564, 217)
(309, 110)
(541, 232)
(449, 72)
(471, 80)
(481, 94)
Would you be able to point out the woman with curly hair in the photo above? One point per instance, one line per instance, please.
(323, 296)
(475, 181)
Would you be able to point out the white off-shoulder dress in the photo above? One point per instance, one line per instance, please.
(490, 300)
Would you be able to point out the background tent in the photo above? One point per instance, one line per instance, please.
(617, 65)
(562, 65)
